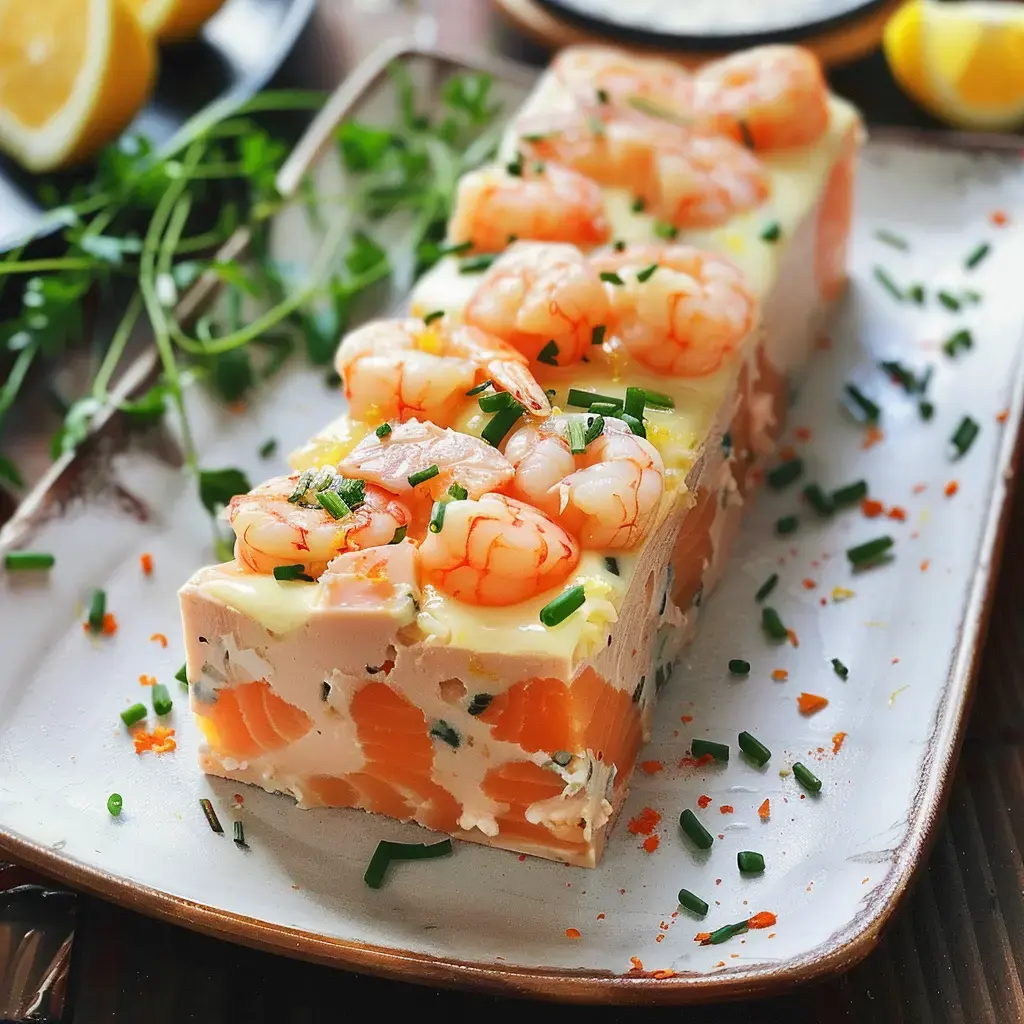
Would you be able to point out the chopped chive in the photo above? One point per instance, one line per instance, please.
(818, 500)
(749, 862)
(870, 410)
(636, 399)
(871, 551)
(643, 276)
(606, 409)
(267, 448)
(719, 751)
(536, 137)
(785, 473)
(431, 317)
(585, 399)
(386, 852)
(577, 437)
(786, 525)
(977, 255)
(515, 168)
(422, 475)
(475, 264)
(806, 778)
(437, 516)
(548, 354)
(657, 400)
(399, 535)
(964, 436)
(771, 232)
(114, 804)
(597, 334)
(480, 703)
(635, 425)
(501, 423)
(695, 831)
(840, 669)
(754, 749)
(332, 504)
(602, 96)
(665, 230)
(458, 492)
(27, 561)
(746, 136)
(951, 302)
(618, 245)
(850, 494)
(926, 410)
(611, 277)
(767, 587)
(441, 730)
(211, 816)
(563, 606)
(301, 486)
(916, 293)
(611, 563)
(478, 390)
(693, 903)
(595, 428)
(134, 714)
(639, 204)
(772, 624)
(901, 375)
(323, 480)
(162, 702)
(739, 667)
(239, 834)
(182, 675)
(882, 277)
(97, 610)
(883, 235)
(383, 430)
(726, 932)
(492, 403)
(292, 572)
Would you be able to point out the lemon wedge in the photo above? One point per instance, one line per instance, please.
(962, 62)
(173, 21)
(73, 73)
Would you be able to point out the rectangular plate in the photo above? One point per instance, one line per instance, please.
(836, 864)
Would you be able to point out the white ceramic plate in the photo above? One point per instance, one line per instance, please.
(836, 864)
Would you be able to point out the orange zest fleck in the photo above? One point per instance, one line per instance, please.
(919, 488)
(726, 809)
(651, 767)
(665, 972)
(600, 917)
(1002, 416)
(146, 561)
(809, 703)
(793, 638)
(764, 812)
(765, 919)
(809, 584)
(702, 936)
(645, 822)
(159, 638)
(651, 843)
(572, 933)
(159, 741)
(686, 718)
(802, 433)
(638, 964)
(898, 513)
(237, 407)
(871, 508)
(147, 680)
(695, 762)
(780, 675)
(703, 800)
(951, 488)
(925, 564)
(659, 938)
(872, 436)
(1000, 218)
(837, 742)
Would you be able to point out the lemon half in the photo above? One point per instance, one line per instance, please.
(172, 21)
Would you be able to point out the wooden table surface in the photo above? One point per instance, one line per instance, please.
(953, 952)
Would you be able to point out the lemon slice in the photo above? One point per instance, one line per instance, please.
(962, 62)
(73, 73)
(172, 21)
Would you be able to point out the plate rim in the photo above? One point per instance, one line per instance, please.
(840, 951)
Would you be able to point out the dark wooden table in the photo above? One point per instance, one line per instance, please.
(953, 952)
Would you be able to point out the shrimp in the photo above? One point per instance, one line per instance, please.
(271, 529)
(541, 297)
(497, 551)
(608, 496)
(684, 316)
(773, 97)
(543, 202)
(396, 369)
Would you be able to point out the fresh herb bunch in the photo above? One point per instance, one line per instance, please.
(143, 222)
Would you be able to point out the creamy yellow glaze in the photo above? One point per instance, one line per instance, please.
(274, 604)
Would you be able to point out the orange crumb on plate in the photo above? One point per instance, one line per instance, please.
(159, 741)
(951, 488)
(1002, 416)
(925, 564)
(159, 638)
(638, 964)
(146, 561)
(686, 718)
(780, 675)
(659, 938)
(651, 767)
(572, 933)
(665, 972)
(651, 843)
(809, 584)
(872, 436)
(871, 508)
(764, 812)
(644, 823)
(919, 488)
(793, 638)
(1000, 218)
(726, 809)
(764, 919)
(703, 800)
(837, 742)
(147, 680)
(809, 703)
(600, 917)
(898, 513)
(702, 936)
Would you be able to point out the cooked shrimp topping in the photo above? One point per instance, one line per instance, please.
(543, 202)
(289, 520)
(543, 298)
(497, 551)
(398, 369)
(678, 310)
(773, 97)
(608, 495)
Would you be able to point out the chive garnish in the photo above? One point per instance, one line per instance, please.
(134, 714)
(480, 703)
(114, 804)
(754, 749)
(818, 500)
(441, 730)
(585, 399)
(422, 475)
(501, 423)
(182, 675)
(636, 399)
(239, 834)
(871, 551)
(301, 486)
(458, 492)
(693, 903)
(618, 245)
(739, 667)
(785, 473)
(437, 516)
(719, 751)
(926, 409)
(658, 400)
(26, 561)
(456, 249)
(964, 435)
(951, 302)
(786, 525)
(916, 293)
(767, 587)
(772, 624)
(611, 277)
(643, 276)
(602, 96)
(97, 610)
(577, 437)
(806, 778)
(515, 168)
(840, 669)
(162, 702)
(563, 606)
(475, 264)
(695, 831)
(548, 354)
(492, 403)
(399, 535)
(884, 235)
(431, 317)
(850, 494)
(749, 862)
(611, 563)
(639, 204)
(595, 428)
(726, 932)
(771, 232)
(386, 852)
(478, 390)
(865, 405)
(882, 277)
(635, 425)
(606, 408)
(383, 430)
(901, 375)
(977, 255)
(332, 504)
(665, 230)
(536, 137)
(292, 572)
(597, 334)
(211, 815)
